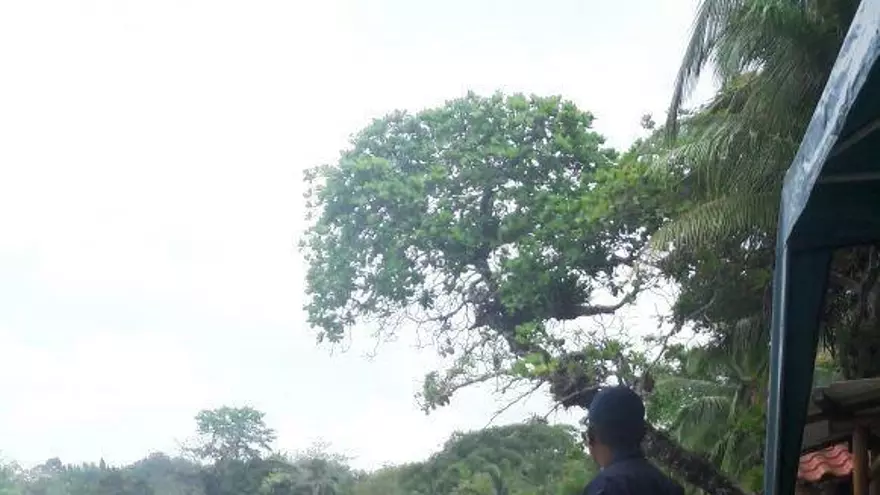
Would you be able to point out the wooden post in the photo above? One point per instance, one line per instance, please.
(860, 460)
(874, 474)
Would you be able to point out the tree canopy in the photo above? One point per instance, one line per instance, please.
(492, 223)
(231, 434)
(476, 211)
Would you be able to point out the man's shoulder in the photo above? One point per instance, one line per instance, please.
(670, 486)
(624, 478)
(598, 485)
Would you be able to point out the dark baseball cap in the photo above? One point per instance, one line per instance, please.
(617, 415)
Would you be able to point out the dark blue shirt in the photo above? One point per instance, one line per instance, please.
(632, 475)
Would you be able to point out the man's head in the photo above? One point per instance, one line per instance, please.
(616, 423)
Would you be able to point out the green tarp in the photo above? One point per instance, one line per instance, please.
(830, 199)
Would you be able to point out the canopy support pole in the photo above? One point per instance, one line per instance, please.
(798, 276)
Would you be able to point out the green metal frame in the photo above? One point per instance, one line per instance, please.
(830, 199)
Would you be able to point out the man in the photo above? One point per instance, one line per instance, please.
(614, 436)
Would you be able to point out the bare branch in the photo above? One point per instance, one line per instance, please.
(677, 328)
(607, 309)
(531, 390)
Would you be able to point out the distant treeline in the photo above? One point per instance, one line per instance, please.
(232, 456)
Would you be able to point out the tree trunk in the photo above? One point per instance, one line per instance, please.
(690, 467)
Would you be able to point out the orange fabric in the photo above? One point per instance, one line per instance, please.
(834, 461)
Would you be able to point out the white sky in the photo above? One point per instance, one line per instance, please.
(150, 193)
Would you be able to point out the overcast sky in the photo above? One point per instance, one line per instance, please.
(151, 154)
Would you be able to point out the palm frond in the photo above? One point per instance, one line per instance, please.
(736, 452)
(694, 386)
(701, 422)
(719, 219)
(708, 409)
(712, 16)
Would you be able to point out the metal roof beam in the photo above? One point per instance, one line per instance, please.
(854, 138)
(849, 178)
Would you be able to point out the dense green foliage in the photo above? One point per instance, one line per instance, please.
(773, 58)
(532, 458)
(500, 226)
(231, 434)
(458, 208)
(493, 223)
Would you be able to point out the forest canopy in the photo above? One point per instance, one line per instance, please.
(232, 454)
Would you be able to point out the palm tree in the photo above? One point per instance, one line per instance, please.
(721, 396)
(772, 58)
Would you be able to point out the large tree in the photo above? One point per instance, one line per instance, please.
(496, 225)
(231, 434)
